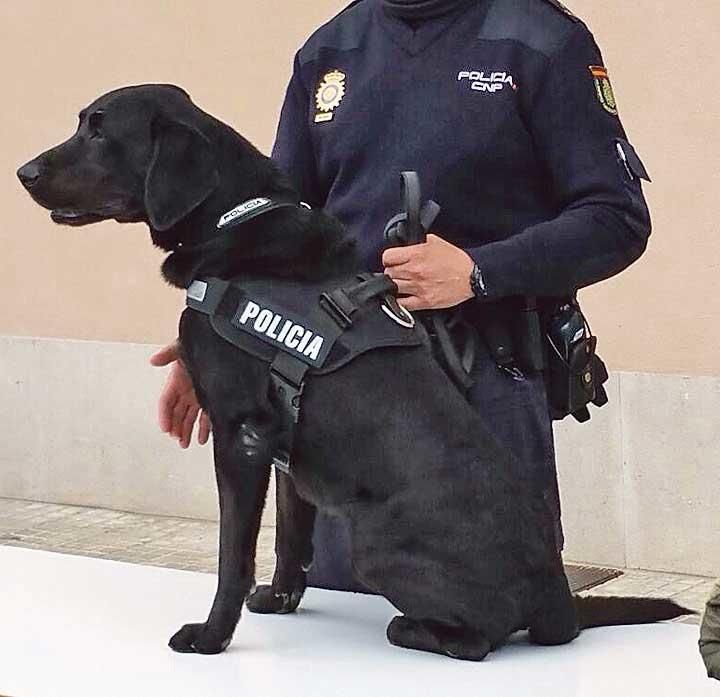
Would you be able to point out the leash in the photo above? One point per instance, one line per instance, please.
(411, 226)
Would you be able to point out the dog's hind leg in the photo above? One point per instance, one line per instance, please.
(242, 476)
(293, 552)
(437, 637)
(555, 619)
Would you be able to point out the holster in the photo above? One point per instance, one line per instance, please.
(528, 335)
(575, 374)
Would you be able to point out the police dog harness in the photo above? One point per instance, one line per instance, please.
(301, 328)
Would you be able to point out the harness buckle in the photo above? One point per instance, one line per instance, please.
(288, 393)
(281, 461)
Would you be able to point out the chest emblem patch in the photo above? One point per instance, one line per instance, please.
(604, 89)
(330, 93)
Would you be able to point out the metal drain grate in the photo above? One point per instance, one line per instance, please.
(582, 578)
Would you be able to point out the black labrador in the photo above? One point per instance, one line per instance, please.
(444, 523)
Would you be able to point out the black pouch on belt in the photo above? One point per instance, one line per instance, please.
(575, 373)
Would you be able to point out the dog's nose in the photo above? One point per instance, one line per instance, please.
(29, 174)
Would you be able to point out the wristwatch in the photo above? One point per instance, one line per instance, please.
(477, 283)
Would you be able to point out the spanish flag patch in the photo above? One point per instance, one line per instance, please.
(604, 89)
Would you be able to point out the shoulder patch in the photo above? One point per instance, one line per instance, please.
(604, 89)
(541, 25)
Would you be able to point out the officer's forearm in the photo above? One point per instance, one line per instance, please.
(584, 245)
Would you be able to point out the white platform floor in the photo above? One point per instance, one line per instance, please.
(80, 627)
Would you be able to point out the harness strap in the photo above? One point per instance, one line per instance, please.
(287, 375)
(458, 367)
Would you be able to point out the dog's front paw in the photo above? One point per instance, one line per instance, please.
(267, 600)
(198, 638)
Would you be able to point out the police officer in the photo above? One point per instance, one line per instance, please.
(506, 111)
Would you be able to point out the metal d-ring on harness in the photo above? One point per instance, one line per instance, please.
(411, 227)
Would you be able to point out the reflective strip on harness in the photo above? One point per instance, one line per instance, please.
(206, 297)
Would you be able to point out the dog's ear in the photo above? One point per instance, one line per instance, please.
(182, 173)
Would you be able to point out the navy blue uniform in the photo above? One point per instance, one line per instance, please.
(505, 110)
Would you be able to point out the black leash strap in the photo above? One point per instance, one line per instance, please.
(411, 227)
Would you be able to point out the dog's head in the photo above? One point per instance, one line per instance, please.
(136, 156)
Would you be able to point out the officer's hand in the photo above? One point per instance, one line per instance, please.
(178, 407)
(430, 276)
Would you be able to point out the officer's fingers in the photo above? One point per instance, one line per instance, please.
(406, 287)
(413, 303)
(165, 355)
(186, 428)
(166, 404)
(404, 272)
(178, 416)
(397, 255)
(205, 428)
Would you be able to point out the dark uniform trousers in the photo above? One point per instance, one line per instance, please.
(516, 412)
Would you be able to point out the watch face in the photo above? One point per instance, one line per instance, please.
(477, 282)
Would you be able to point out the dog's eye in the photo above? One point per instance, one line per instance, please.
(94, 124)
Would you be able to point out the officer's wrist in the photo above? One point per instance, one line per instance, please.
(477, 283)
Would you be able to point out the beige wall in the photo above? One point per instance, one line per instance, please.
(103, 282)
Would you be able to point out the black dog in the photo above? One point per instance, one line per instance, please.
(444, 524)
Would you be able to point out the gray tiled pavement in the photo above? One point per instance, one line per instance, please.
(177, 543)
(180, 543)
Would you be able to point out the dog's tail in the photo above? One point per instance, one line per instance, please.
(605, 611)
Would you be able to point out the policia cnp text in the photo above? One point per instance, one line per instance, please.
(506, 111)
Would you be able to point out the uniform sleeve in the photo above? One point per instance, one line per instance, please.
(710, 634)
(293, 151)
(593, 176)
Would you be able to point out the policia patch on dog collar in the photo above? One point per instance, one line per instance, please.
(604, 89)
